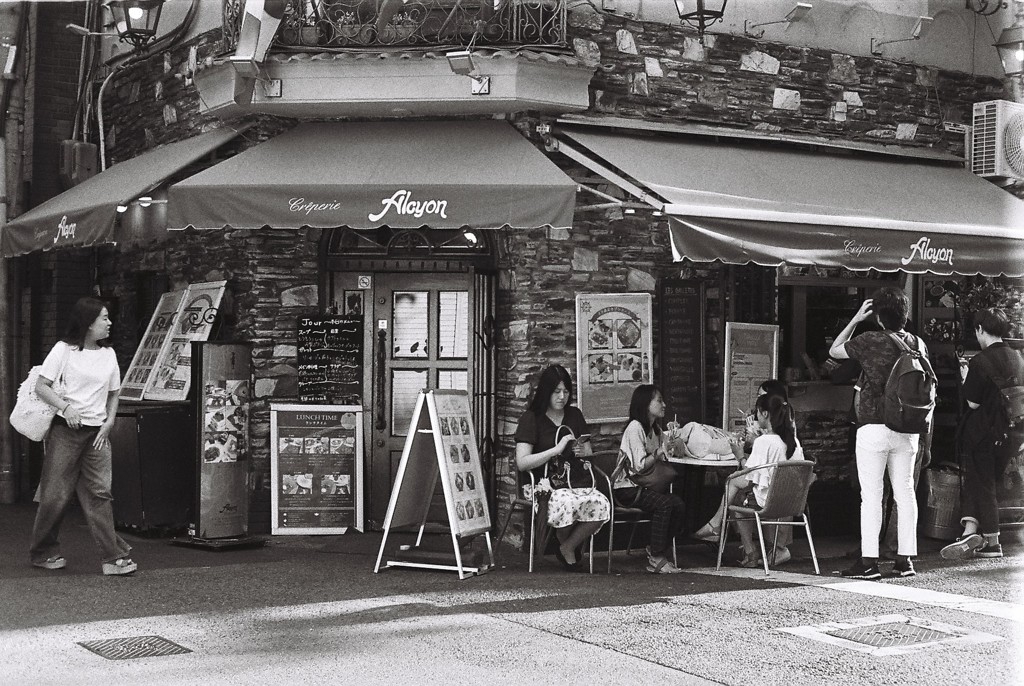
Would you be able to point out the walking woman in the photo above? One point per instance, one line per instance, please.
(543, 437)
(641, 444)
(78, 458)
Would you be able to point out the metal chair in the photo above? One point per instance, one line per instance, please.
(521, 502)
(606, 462)
(787, 497)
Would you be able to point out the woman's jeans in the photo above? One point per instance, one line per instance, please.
(880, 449)
(72, 465)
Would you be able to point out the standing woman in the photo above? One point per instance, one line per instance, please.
(78, 458)
(641, 444)
(540, 440)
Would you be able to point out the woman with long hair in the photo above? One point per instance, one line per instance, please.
(547, 438)
(77, 448)
(642, 443)
(748, 485)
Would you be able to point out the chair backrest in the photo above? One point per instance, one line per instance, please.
(605, 461)
(787, 492)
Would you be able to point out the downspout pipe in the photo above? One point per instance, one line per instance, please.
(8, 486)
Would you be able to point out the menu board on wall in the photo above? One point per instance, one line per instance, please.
(140, 371)
(330, 359)
(751, 358)
(196, 313)
(682, 349)
(613, 352)
(316, 468)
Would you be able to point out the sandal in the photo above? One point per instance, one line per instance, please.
(707, 533)
(55, 562)
(662, 566)
(751, 562)
(119, 567)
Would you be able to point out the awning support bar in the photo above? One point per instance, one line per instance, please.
(578, 156)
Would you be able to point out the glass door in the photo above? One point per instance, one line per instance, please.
(421, 341)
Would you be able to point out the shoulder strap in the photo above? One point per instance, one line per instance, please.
(900, 342)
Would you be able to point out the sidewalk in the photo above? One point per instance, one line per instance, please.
(309, 609)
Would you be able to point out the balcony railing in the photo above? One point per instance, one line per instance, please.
(346, 24)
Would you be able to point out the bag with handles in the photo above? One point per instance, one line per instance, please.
(32, 416)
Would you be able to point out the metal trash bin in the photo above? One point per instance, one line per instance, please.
(940, 516)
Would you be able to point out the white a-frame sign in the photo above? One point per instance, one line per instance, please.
(441, 442)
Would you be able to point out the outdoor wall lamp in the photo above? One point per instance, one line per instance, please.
(920, 31)
(134, 20)
(1011, 44)
(794, 15)
(707, 12)
(461, 62)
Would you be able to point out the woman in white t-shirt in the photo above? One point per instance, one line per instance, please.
(77, 448)
(749, 486)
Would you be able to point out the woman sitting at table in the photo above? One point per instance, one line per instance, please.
(543, 437)
(749, 486)
(642, 442)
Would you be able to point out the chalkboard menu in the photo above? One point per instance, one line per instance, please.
(330, 359)
(681, 313)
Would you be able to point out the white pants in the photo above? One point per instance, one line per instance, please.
(879, 449)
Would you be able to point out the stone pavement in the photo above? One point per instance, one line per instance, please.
(309, 610)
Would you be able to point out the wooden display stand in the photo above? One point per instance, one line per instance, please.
(441, 442)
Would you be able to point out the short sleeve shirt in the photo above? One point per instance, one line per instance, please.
(876, 353)
(635, 445)
(767, 449)
(89, 376)
(981, 389)
(539, 431)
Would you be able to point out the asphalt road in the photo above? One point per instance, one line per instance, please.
(310, 610)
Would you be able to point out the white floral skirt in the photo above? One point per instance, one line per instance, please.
(568, 506)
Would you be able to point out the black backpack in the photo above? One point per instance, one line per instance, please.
(909, 396)
(1009, 381)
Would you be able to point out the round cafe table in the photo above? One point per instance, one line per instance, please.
(692, 471)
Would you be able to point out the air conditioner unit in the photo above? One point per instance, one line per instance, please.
(997, 144)
(78, 162)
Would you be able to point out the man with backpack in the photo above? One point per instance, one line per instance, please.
(894, 407)
(991, 434)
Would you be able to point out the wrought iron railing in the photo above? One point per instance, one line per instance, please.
(334, 24)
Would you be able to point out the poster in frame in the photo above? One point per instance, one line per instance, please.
(613, 352)
(751, 358)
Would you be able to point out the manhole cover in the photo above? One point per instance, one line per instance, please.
(891, 635)
(136, 646)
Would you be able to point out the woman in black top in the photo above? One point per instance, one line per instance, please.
(545, 437)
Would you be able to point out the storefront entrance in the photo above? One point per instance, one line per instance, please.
(427, 306)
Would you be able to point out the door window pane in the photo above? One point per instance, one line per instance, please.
(451, 379)
(453, 324)
(405, 387)
(409, 323)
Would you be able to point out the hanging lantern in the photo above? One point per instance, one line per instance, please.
(136, 20)
(704, 14)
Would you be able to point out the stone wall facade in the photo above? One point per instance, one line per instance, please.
(645, 71)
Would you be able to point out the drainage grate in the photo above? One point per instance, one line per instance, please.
(891, 635)
(136, 646)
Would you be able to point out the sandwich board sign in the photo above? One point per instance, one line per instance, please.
(441, 442)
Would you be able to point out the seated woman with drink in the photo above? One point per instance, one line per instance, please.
(643, 441)
(749, 486)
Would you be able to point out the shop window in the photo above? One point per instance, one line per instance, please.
(410, 324)
(453, 380)
(453, 322)
(405, 388)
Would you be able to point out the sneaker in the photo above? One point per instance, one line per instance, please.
(862, 571)
(990, 550)
(119, 567)
(782, 556)
(904, 567)
(55, 562)
(962, 547)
